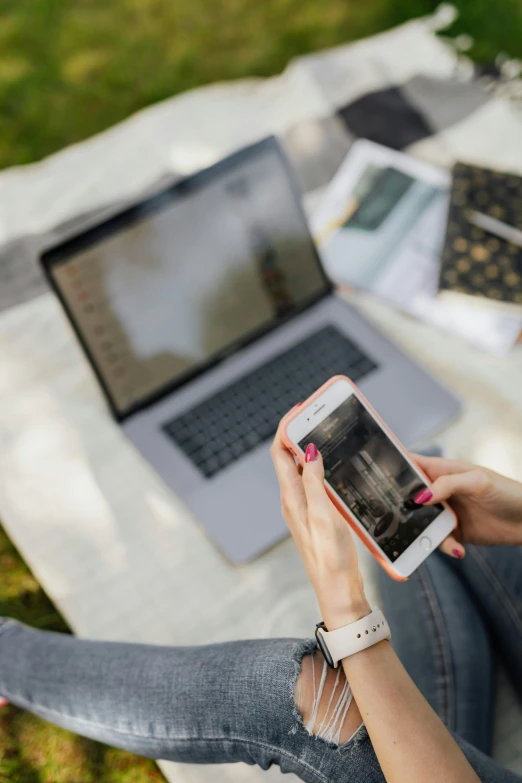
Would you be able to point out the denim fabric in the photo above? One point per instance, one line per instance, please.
(219, 703)
(210, 704)
(494, 577)
(461, 613)
(441, 637)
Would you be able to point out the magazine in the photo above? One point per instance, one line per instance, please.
(380, 227)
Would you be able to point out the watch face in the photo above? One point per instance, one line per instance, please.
(322, 645)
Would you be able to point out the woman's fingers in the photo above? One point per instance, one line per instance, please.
(439, 466)
(318, 502)
(284, 462)
(472, 483)
(450, 546)
(292, 493)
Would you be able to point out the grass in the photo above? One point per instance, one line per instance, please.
(71, 68)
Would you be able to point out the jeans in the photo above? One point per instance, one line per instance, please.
(235, 701)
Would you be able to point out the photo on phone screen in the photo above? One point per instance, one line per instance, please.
(372, 478)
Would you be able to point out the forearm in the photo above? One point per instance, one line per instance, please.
(410, 741)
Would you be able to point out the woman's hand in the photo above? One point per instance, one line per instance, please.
(488, 505)
(323, 537)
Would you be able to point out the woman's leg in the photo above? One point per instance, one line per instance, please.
(219, 703)
(440, 636)
(211, 704)
(493, 576)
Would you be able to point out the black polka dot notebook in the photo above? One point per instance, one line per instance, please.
(474, 261)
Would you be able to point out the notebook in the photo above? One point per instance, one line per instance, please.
(476, 262)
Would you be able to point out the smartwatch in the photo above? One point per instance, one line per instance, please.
(352, 638)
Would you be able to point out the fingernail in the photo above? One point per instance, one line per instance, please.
(311, 453)
(457, 553)
(423, 496)
(3, 702)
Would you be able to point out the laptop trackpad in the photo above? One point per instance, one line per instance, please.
(241, 511)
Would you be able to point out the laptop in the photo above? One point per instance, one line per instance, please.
(205, 313)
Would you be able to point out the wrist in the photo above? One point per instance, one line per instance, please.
(343, 612)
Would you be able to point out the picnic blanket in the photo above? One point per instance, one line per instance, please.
(406, 88)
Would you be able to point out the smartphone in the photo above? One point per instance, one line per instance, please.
(369, 476)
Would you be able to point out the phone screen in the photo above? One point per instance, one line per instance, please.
(372, 478)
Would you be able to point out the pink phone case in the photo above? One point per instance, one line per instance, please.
(365, 538)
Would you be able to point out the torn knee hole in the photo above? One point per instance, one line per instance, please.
(324, 699)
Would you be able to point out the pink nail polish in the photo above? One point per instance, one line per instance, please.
(456, 553)
(311, 453)
(423, 496)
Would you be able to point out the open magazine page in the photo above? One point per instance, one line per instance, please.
(380, 227)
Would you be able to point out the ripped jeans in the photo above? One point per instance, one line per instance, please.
(236, 701)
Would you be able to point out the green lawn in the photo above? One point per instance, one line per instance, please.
(71, 68)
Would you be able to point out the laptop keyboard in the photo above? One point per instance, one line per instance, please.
(235, 420)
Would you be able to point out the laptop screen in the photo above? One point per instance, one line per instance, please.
(168, 286)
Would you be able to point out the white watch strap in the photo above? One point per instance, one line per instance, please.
(355, 637)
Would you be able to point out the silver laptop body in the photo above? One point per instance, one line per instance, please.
(205, 314)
